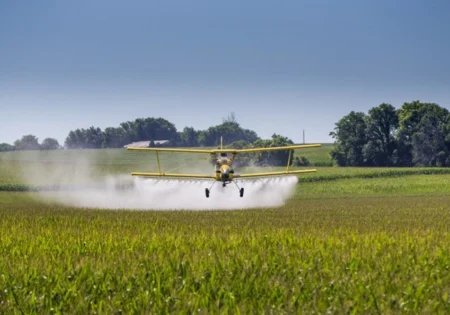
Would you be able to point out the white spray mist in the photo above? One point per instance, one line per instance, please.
(154, 194)
(127, 192)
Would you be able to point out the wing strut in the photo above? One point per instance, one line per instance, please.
(159, 165)
(289, 161)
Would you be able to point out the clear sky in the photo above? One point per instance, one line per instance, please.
(281, 66)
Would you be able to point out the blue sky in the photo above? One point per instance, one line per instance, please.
(281, 66)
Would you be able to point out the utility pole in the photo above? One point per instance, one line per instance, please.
(303, 136)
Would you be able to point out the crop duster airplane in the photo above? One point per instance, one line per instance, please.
(224, 172)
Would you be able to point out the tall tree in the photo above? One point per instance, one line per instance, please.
(6, 147)
(50, 144)
(230, 131)
(143, 129)
(93, 138)
(412, 125)
(27, 142)
(382, 123)
(90, 138)
(275, 158)
(429, 142)
(113, 137)
(71, 141)
(350, 135)
(189, 137)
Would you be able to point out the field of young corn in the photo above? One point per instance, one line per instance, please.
(350, 241)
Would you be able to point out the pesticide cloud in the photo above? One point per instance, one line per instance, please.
(127, 192)
(179, 195)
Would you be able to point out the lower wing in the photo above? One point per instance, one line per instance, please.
(268, 174)
(198, 176)
(201, 176)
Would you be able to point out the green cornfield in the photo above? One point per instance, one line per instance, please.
(351, 240)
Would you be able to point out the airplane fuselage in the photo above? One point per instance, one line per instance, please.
(224, 172)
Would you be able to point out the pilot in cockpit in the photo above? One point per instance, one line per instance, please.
(222, 159)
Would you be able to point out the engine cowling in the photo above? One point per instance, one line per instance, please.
(226, 173)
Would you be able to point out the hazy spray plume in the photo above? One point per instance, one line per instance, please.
(83, 188)
(171, 194)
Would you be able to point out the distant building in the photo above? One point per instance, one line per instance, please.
(146, 144)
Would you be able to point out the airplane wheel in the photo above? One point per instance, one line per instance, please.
(241, 192)
(207, 192)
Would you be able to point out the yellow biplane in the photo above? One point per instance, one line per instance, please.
(224, 171)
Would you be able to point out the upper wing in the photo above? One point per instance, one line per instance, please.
(233, 151)
(198, 176)
(288, 147)
(173, 150)
(268, 174)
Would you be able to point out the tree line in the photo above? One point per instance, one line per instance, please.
(141, 129)
(417, 134)
(147, 129)
(30, 142)
(152, 129)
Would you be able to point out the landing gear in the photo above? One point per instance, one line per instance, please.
(224, 184)
(207, 190)
(241, 190)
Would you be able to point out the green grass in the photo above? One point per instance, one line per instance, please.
(351, 240)
(400, 185)
(318, 156)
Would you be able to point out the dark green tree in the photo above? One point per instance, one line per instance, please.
(275, 158)
(50, 144)
(114, 137)
(189, 137)
(410, 116)
(143, 129)
(382, 123)
(429, 147)
(27, 142)
(6, 147)
(71, 141)
(350, 135)
(91, 138)
(230, 132)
